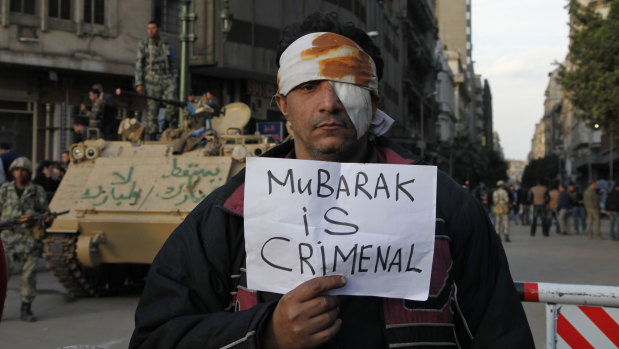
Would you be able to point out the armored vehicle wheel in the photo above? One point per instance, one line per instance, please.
(79, 281)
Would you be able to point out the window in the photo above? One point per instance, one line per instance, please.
(167, 13)
(60, 9)
(23, 6)
(94, 11)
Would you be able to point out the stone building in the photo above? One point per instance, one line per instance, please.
(473, 100)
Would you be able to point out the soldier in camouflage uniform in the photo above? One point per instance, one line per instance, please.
(96, 112)
(156, 75)
(21, 198)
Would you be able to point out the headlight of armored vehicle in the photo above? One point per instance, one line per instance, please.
(77, 152)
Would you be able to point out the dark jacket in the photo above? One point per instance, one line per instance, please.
(612, 201)
(564, 201)
(195, 294)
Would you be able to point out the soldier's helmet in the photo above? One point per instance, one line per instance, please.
(21, 162)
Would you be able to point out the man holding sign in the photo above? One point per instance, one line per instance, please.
(333, 240)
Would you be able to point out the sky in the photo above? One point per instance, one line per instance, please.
(515, 43)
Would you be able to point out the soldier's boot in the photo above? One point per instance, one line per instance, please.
(26, 313)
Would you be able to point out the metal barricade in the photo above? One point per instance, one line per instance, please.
(577, 316)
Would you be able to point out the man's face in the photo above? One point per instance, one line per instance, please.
(64, 157)
(322, 128)
(153, 31)
(92, 96)
(77, 128)
(22, 176)
(571, 188)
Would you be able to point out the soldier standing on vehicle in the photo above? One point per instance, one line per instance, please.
(97, 110)
(21, 198)
(156, 75)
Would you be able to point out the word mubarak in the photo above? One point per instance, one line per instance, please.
(359, 184)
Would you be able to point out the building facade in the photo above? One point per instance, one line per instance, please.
(52, 52)
(472, 96)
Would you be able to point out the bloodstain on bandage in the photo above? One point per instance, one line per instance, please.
(342, 58)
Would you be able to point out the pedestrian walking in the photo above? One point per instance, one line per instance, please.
(564, 208)
(500, 199)
(525, 204)
(612, 208)
(514, 207)
(578, 209)
(539, 197)
(156, 76)
(591, 200)
(553, 209)
(21, 198)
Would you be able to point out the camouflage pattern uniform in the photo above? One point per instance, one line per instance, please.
(22, 242)
(95, 114)
(155, 69)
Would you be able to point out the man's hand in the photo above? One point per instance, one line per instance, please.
(139, 89)
(82, 107)
(49, 218)
(304, 318)
(24, 218)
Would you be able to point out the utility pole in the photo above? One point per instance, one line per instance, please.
(186, 38)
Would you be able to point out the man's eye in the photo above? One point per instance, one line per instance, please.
(307, 87)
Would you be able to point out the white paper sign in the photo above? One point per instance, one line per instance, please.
(372, 223)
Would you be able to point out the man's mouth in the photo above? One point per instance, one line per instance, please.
(330, 125)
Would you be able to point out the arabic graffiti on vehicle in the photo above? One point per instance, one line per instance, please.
(124, 189)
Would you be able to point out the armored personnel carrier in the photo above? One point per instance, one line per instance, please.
(125, 198)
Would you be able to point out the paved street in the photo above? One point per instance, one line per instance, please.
(108, 322)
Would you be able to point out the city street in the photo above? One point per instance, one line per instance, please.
(108, 322)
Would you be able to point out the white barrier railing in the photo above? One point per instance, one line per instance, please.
(590, 313)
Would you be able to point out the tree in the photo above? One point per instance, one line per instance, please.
(545, 170)
(471, 162)
(591, 74)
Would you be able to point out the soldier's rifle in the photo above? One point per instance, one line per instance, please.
(173, 102)
(9, 223)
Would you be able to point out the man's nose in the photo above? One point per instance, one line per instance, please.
(329, 101)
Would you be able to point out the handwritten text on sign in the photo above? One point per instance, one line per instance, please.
(373, 223)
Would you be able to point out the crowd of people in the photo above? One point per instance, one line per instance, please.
(569, 209)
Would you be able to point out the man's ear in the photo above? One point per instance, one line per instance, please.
(282, 104)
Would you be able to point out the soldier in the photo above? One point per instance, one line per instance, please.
(156, 75)
(109, 124)
(96, 112)
(500, 198)
(20, 199)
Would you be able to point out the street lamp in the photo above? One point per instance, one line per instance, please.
(226, 18)
(589, 167)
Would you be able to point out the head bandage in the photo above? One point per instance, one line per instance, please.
(351, 71)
